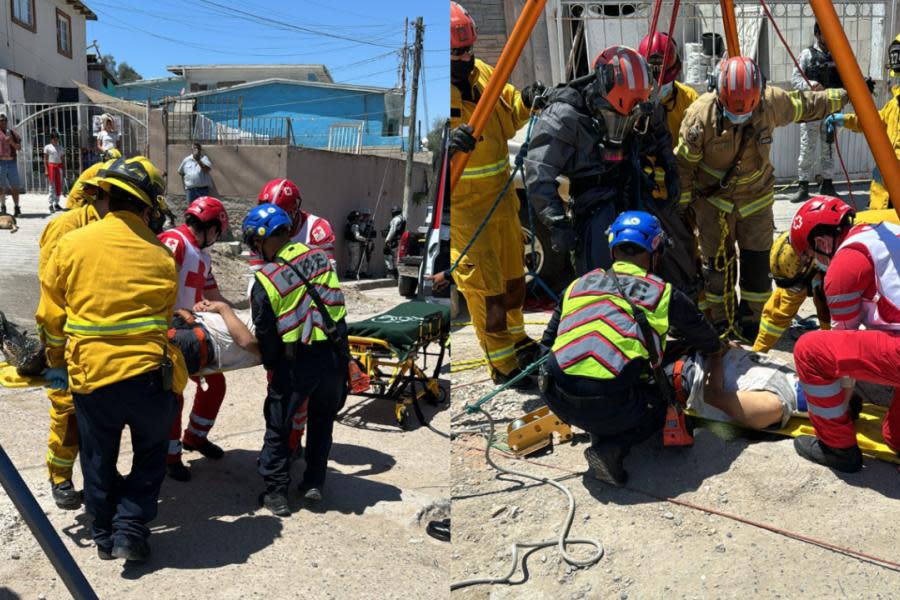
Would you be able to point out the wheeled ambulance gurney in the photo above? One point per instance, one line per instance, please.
(388, 347)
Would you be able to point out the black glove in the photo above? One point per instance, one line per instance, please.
(462, 140)
(386, 249)
(870, 83)
(533, 95)
(562, 237)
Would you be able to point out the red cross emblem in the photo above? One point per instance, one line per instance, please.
(197, 281)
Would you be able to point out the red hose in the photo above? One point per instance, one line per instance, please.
(790, 52)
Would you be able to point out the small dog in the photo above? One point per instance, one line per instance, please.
(9, 222)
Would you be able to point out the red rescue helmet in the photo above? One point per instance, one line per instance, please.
(283, 193)
(820, 215)
(623, 79)
(206, 209)
(654, 50)
(462, 28)
(739, 85)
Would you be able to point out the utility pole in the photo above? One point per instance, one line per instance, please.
(404, 57)
(414, 99)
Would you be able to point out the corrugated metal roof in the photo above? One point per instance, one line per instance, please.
(250, 84)
(320, 70)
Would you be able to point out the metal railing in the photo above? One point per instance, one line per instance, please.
(75, 124)
(223, 122)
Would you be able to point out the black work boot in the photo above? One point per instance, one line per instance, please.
(607, 465)
(207, 449)
(526, 352)
(137, 551)
(846, 460)
(276, 502)
(826, 188)
(178, 472)
(523, 385)
(802, 193)
(65, 495)
(17, 212)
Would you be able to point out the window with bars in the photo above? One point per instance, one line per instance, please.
(63, 33)
(23, 14)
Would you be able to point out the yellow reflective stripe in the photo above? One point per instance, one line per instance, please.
(685, 197)
(772, 328)
(749, 178)
(126, 327)
(755, 296)
(714, 172)
(519, 329)
(59, 462)
(723, 205)
(834, 100)
(714, 299)
(684, 152)
(797, 101)
(757, 205)
(487, 170)
(50, 339)
(501, 353)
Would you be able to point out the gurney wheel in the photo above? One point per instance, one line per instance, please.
(438, 397)
(402, 415)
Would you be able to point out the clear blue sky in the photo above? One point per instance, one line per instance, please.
(357, 40)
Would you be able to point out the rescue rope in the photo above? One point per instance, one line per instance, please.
(790, 52)
(849, 552)
(725, 261)
(561, 542)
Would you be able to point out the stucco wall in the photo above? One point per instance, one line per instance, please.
(34, 55)
(332, 184)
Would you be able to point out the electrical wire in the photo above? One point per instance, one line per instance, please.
(562, 541)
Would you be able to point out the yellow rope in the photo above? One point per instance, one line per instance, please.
(725, 262)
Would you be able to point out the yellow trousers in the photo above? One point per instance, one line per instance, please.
(62, 447)
(491, 277)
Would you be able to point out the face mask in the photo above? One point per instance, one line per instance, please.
(460, 69)
(665, 90)
(737, 119)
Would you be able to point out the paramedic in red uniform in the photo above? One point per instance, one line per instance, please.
(205, 221)
(311, 231)
(862, 287)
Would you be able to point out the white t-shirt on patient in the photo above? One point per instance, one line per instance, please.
(229, 356)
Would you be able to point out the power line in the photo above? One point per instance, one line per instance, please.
(285, 25)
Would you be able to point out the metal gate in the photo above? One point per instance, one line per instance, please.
(77, 125)
(345, 137)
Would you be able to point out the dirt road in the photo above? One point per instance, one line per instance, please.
(655, 548)
(210, 540)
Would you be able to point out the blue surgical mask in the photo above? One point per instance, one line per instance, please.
(665, 90)
(737, 119)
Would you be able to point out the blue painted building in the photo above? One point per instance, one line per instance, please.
(296, 104)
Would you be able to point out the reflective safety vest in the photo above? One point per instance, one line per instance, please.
(881, 243)
(299, 319)
(598, 335)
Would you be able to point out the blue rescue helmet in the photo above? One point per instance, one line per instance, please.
(264, 220)
(639, 228)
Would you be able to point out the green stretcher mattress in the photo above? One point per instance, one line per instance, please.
(400, 327)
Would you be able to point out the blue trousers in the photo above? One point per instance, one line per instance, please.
(592, 248)
(318, 374)
(122, 507)
(192, 194)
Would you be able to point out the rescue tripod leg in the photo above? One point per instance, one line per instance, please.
(43, 531)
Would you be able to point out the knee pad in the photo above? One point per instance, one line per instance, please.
(755, 270)
(515, 293)
(495, 318)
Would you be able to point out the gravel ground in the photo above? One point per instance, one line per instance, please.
(367, 539)
(659, 549)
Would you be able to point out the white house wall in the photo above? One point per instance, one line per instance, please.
(34, 55)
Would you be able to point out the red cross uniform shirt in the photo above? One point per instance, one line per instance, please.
(193, 263)
(315, 232)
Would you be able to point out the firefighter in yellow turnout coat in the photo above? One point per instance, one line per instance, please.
(491, 275)
(728, 179)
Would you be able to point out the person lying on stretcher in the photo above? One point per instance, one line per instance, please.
(215, 337)
(750, 388)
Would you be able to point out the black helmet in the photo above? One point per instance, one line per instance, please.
(353, 216)
(396, 210)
